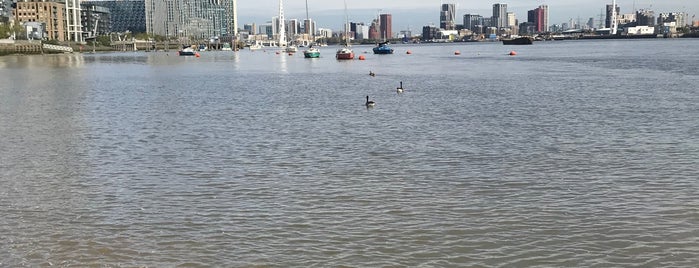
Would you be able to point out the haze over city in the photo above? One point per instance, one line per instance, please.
(414, 14)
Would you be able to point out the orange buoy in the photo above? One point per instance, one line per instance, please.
(408, 52)
(196, 54)
(457, 52)
(512, 53)
(361, 57)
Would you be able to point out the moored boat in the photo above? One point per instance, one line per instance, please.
(291, 49)
(383, 48)
(255, 47)
(344, 53)
(525, 40)
(187, 51)
(311, 52)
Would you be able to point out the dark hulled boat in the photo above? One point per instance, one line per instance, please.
(383, 48)
(518, 41)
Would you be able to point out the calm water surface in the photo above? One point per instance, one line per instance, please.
(569, 154)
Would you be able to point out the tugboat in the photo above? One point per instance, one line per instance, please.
(383, 48)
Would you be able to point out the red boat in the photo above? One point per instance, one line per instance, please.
(344, 53)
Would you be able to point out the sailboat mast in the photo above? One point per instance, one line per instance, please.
(378, 24)
(309, 26)
(347, 43)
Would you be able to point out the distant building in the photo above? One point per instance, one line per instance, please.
(292, 27)
(250, 28)
(325, 33)
(499, 19)
(640, 30)
(191, 18)
(645, 17)
(5, 10)
(544, 18)
(266, 29)
(512, 22)
(527, 28)
(680, 19)
(429, 33)
(275, 26)
(309, 26)
(374, 30)
(361, 32)
(487, 22)
(96, 20)
(608, 20)
(73, 26)
(539, 17)
(471, 21)
(385, 25)
(358, 29)
(447, 17)
(125, 15)
(54, 20)
(627, 20)
(35, 30)
(591, 23)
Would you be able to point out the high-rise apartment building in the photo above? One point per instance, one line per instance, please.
(309, 26)
(544, 18)
(447, 17)
(385, 25)
(511, 19)
(74, 27)
(191, 18)
(124, 15)
(292, 27)
(499, 18)
(539, 18)
(473, 22)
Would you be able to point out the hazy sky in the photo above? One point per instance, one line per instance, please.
(417, 13)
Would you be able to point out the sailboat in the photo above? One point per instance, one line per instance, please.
(345, 53)
(311, 52)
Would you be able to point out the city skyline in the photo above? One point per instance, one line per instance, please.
(414, 14)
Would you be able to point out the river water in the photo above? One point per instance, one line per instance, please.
(571, 153)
